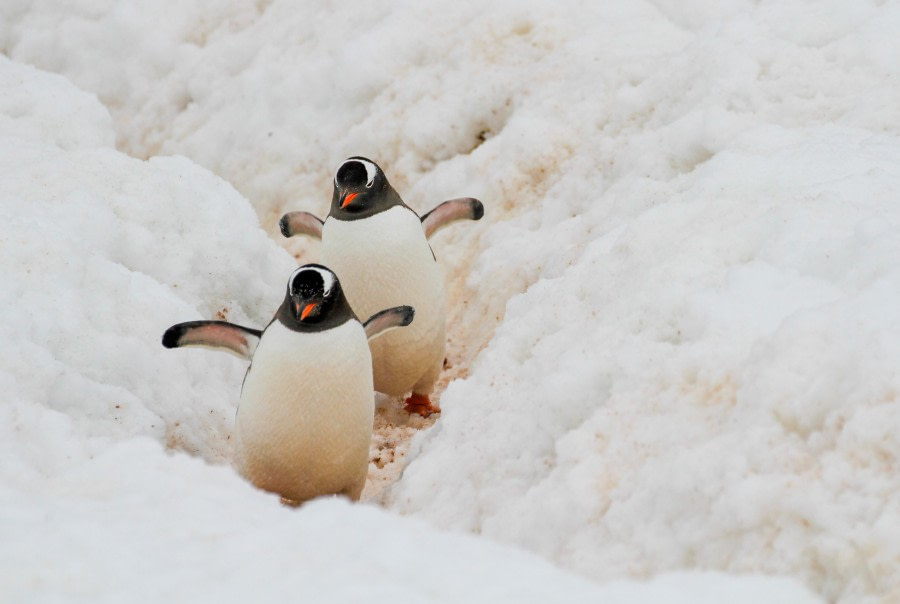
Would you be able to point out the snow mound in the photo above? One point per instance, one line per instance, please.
(711, 385)
(136, 525)
(42, 109)
(102, 252)
(677, 321)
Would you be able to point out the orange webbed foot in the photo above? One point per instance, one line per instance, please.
(421, 404)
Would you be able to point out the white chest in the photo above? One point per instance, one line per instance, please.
(383, 261)
(305, 418)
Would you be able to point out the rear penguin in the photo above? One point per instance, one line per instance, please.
(379, 248)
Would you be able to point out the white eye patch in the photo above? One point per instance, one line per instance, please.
(328, 278)
(371, 170)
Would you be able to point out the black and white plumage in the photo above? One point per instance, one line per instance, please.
(368, 223)
(305, 416)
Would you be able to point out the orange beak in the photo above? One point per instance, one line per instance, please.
(348, 199)
(307, 310)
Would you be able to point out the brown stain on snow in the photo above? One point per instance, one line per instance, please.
(720, 393)
(392, 436)
(391, 439)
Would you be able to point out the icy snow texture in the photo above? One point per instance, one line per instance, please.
(100, 253)
(692, 212)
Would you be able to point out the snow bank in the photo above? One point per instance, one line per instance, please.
(711, 385)
(139, 526)
(134, 524)
(101, 253)
(678, 317)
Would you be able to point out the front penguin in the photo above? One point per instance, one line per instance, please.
(304, 421)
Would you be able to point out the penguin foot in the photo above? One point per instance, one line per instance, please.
(421, 404)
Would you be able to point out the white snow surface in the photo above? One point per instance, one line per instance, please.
(677, 323)
(102, 252)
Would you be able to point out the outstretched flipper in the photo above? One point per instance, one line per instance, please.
(385, 320)
(241, 341)
(300, 223)
(464, 208)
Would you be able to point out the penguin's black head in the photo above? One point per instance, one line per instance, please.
(314, 299)
(356, 184)
(361, 189)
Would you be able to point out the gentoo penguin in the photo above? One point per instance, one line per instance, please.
(370, 225)
(304, 421)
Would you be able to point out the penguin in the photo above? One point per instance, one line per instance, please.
(305, 416)
(369, 224)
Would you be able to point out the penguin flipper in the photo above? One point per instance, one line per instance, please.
(241, 341)
(300, 223)
(464, 208)
(386, 320)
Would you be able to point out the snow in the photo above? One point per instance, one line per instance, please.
(101, 253)
(674, 333)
